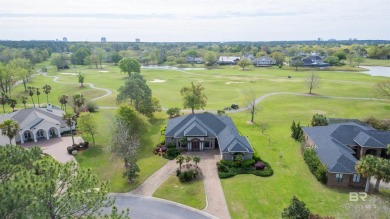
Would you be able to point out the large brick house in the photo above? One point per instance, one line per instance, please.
(339, 146)
(207, 131)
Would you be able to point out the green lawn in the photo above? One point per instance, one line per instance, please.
(247, 196)
(376, 62)
(110, 168)
(188, 193)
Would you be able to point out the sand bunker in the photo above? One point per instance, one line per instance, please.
(69, 73)
(158, 81)
(234, 82)
(103, 71)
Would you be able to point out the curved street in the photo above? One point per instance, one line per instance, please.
(146, 207)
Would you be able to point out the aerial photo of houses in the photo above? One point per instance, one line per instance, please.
(194, 109)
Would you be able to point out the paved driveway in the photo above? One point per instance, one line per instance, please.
(56, 147)
(145, 207)
(216, 203)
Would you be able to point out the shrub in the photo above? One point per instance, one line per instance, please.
(74, 152)
(172, 153)
(379, 124)
(222, 167)
(92, 107)
(178, 172)
(259, 165)
(170, 145)
(225, 175)
(315, 165)
(297, 209)
(229, 163)
(248, 163)
(173, 112)
(187, 175)
(296, 131)
(319, 120)
(221, 112)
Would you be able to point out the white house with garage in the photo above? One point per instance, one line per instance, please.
(37, 124)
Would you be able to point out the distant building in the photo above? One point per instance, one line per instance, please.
(228, 60)
(137, 40)
(319, 39)
(103, 40)
(65, 39)
(264, 61)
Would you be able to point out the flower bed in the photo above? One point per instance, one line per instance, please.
(255, 166)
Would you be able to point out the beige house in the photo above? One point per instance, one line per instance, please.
(36, 124)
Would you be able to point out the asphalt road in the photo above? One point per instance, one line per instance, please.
(145, 207)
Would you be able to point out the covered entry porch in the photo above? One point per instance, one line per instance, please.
(197, 143)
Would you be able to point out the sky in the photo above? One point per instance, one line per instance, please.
(190, 20)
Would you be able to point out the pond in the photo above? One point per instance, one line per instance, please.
(165, 67)
(377, 71)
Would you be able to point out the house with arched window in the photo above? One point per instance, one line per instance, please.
(38, 123)
(206, 131)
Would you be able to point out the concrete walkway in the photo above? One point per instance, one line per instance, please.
(56, 147)
(150, 185)
(216, 202)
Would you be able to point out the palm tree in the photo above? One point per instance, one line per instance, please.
(180, 160)
(388, 149)
(63, 99)
(24, 101)
(47, 89)
(380, 172)
(78, 101)
(4, 100)
(196, 159)
(366, 168)
(69, 118)
(38, 93)
(12, 103)
(31, 93)
(188, 160)
(10, 128)
(81, 78)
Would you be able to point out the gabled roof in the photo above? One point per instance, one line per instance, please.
(228, 58)
(38, 118)
(332, 144)
(264, 58)
(209, 125)
(195, 130)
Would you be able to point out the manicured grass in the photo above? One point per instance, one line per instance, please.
(249, 196)
(188, 193)
(110, 168)
(376, 62)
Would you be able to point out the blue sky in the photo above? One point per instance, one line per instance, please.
(188, 20)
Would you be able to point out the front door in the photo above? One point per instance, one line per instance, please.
(195, 144)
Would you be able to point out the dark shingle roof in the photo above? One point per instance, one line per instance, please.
(332, 141)
(209, 125)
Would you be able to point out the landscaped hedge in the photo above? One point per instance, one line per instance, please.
(228, 168)
(77, 147)
(315, 165)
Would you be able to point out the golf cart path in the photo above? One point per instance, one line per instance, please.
(91, 85)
